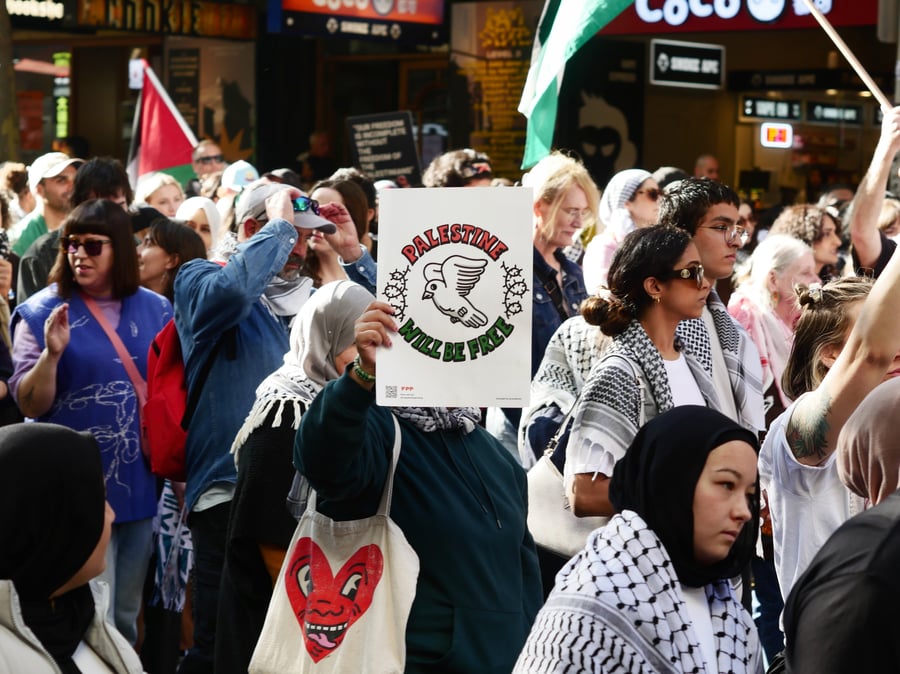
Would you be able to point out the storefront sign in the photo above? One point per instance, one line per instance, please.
(687, 64)
(172, 17)
(420, 21)
(767, 108)
(808, 80)
(383, 146)
(776, 135)
(36, 9)
(671, 16)
(829, 113)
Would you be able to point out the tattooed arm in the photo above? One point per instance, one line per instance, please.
(867, 356)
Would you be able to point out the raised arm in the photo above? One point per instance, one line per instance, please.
(37, 389)
(866, 205)
(868, 354)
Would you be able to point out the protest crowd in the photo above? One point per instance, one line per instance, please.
(702, 480)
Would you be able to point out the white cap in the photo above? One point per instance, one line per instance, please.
(50, 165)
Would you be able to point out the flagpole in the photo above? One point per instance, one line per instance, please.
(886, 105)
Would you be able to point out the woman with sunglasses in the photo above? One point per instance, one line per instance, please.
(655, 281)
(69, 344)
(630, 201)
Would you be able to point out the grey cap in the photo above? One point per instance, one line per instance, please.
(251, 203)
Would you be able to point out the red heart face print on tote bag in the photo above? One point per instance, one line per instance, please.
(326, 604)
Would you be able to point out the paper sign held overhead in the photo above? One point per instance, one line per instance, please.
(456, 265)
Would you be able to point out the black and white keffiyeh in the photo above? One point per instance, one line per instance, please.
(429, 419)
(741, 359)
(618, 608)
(571, 353)
(612, 406)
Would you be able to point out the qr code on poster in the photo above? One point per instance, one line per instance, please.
(390, 391)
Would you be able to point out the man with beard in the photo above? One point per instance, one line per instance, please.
(232, 321)
(51, 178)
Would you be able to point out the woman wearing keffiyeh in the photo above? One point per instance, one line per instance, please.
(650, 591)
(655, 281)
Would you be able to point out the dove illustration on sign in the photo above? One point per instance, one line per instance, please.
(449, 282)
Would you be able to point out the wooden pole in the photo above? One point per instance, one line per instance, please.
(845, 50)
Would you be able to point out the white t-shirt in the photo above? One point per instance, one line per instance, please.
(698, 609)
(682, 383)
(806, 503)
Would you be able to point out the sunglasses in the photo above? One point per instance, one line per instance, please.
(690, 273)
(218, 158)
(93, 247)
(652, 193)
(303, 204)
(474, 169)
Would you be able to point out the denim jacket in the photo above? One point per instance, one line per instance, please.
(545, 318)
(210, 299)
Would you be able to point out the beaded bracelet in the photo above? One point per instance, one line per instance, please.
(362, 374)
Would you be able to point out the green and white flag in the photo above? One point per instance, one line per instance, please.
(564, 28)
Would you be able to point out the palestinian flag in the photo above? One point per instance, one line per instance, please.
(564, 28)
(160, 140)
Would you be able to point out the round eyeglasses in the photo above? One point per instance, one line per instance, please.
(731, 233)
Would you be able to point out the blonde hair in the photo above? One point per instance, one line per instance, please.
(149, 184)
(890, 211)
(551, 179)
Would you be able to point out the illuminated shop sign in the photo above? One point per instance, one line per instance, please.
(767, 108)
(36, 9)
(420, 21)
(172, 17)
(830, 113)
(687, 64)
(776, 135)
(668, 16)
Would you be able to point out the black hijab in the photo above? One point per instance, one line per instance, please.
(53, 496)
(658, 475)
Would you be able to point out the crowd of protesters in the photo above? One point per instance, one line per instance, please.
(716, 394)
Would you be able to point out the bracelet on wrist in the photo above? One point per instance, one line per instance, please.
(362, 374)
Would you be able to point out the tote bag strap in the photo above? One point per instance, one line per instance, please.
(384, 508)
(137, 381)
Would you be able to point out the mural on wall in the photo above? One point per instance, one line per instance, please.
(213, 85)
(601, 107)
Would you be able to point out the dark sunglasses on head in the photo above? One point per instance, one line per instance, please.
(211, 158)
(474, 169)
(92, 247)
(303, 204)
(652, 193)
(694, 273)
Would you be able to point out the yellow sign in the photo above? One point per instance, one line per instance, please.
(173, 17)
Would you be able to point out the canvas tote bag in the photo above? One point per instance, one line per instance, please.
(343, 596)
(551, 521)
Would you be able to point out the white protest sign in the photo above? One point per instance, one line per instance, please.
(456, 265)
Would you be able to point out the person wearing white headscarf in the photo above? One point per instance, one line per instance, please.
(201, 215)
(630, 201)
(260, 525)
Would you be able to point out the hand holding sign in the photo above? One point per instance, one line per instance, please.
(371, 331)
